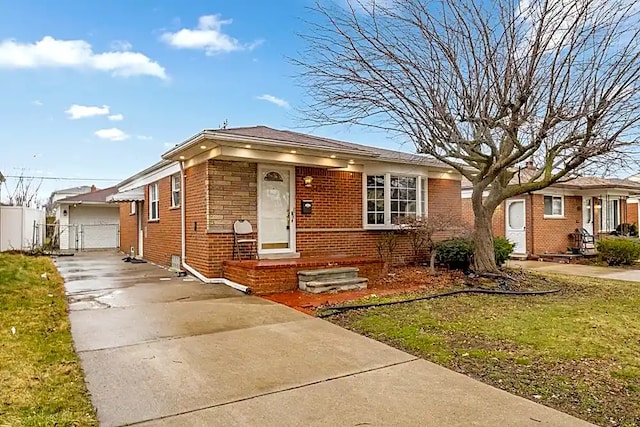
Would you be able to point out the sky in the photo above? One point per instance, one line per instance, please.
(99, 90)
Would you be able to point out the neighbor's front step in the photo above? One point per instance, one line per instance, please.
(338, 285)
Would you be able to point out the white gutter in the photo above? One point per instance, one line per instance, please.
(193, 271)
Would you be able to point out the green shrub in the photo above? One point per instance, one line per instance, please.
(618, 251)
(503, 249)
(455, 253)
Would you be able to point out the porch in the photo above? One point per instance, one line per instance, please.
(267, 276)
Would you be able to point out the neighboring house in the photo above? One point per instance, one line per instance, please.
(311, 200)
(64, 193)
(541, 222)
(87, 220)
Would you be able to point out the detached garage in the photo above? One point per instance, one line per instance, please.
(88, 221)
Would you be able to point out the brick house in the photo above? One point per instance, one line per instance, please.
(541, 222)
(180, 211)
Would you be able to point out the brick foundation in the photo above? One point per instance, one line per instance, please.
(270, 276)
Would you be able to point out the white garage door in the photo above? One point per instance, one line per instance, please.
(98, 236)
(97, 226)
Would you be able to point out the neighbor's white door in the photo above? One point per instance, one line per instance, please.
(587, 214)
(516, 225)
(276, 224)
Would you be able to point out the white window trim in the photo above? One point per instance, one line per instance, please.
(561, 197)
(387, 198)
(152, 201)
(174, 179)
(132, 208)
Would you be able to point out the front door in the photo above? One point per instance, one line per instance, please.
(516, 225)
(587, 214)
(276, 223)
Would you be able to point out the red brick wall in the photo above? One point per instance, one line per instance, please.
(162, 237)
(552, 234)
(444, 199)
(128, 228)
(336, 196)
(468, 218)
(197, 251)
(632, 213)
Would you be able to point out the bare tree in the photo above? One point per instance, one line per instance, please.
(484, 86)
(24, 191)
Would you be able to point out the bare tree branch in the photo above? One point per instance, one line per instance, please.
(484, 86)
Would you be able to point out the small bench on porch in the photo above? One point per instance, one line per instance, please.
(267, 276)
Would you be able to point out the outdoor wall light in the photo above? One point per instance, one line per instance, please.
(307, 181)
(64, 212)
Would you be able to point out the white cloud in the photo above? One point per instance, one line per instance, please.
(207, 36)
(121, 45)
(274, 100)
(76, 111)
(112, 134)
(115, 117)
(169, 144)
(53, 53)
(144, 137)
(37, 103)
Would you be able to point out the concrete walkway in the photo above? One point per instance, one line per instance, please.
(159, 350)
(578, 270)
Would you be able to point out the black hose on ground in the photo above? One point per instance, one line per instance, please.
(342, 308)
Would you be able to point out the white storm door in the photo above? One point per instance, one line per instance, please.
(276, 223)
(516, 225)
(587, 214)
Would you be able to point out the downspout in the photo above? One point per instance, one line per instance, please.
(183, 242)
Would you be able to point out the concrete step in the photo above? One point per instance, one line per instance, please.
(327, 274)
(337, 285)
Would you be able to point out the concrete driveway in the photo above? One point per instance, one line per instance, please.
(160, 350)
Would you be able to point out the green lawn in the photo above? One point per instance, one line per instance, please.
(41, 381)
(578, 350)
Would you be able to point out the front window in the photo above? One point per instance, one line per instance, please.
(404, 198)
(375, 199)
(154, 211)
(392, 198)
(553, 206)
(175, 191)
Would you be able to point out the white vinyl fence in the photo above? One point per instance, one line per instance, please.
(18, 228)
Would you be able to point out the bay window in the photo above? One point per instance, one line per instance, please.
(391, 198)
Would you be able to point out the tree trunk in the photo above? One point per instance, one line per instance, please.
(484, 259)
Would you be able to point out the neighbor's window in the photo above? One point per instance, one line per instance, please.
(154, 211)
(175, 191)
(611, 216)
(404, 197)
(132, 208)
(553, 205)
(391, 198)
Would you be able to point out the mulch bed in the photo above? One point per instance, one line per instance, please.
(400, 280)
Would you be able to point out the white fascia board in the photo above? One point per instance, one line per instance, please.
(152, 176)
